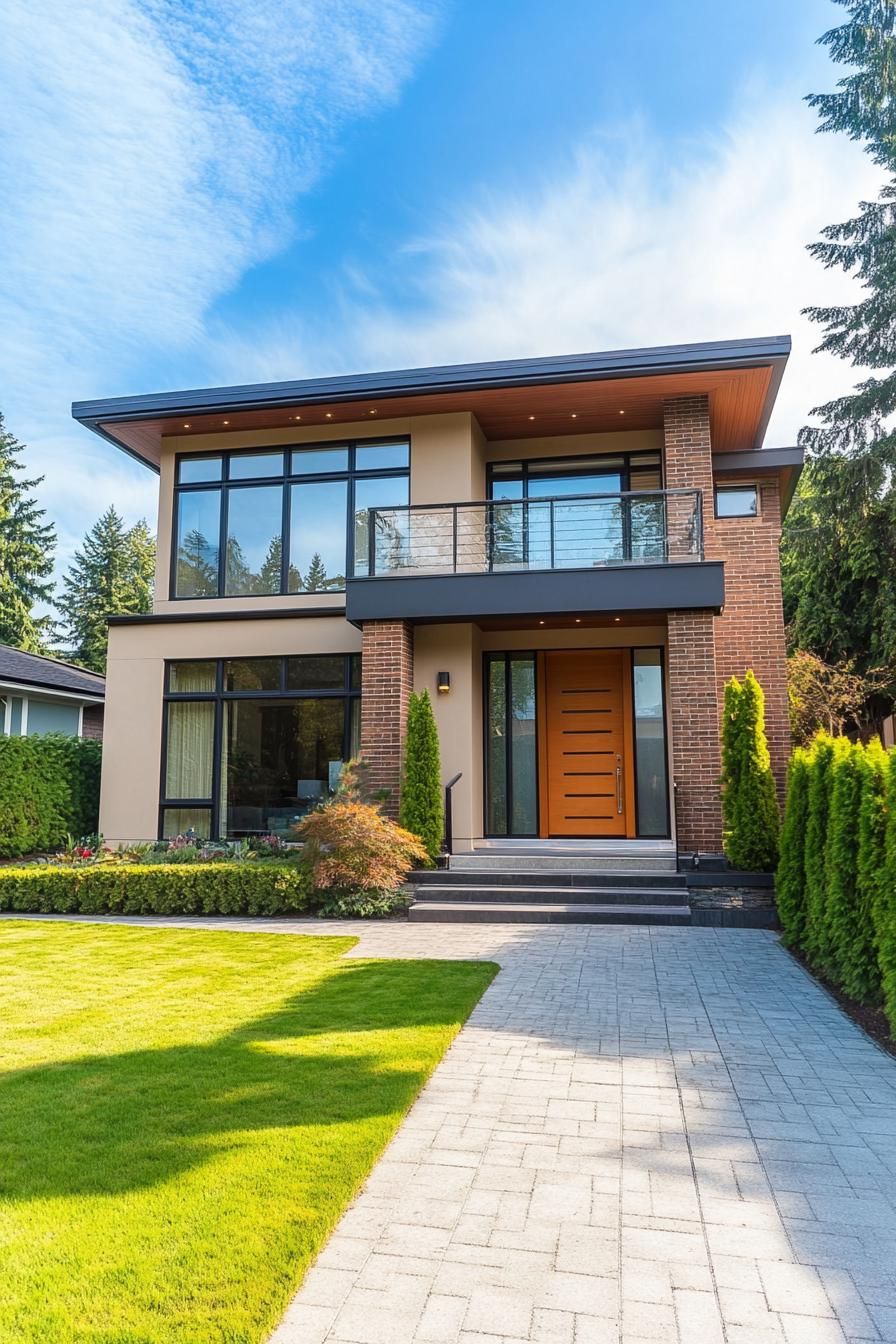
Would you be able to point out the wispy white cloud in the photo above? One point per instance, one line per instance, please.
(151, 152)
(620, 245)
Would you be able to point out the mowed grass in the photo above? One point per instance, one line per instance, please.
(184, 1114)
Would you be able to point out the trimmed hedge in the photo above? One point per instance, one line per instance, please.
(49, 788)
(836, 879)
(248, 888)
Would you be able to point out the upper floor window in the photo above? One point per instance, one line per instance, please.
(737, 501)
(290, 520)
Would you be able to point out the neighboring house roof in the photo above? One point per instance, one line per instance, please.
(743, 375)
(30, 669)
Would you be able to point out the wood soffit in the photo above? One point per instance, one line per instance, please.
(736, 397)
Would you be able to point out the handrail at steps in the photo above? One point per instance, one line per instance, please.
(448, 839)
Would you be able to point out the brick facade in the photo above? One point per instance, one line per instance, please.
(92, 722)
(388, 672)
(705, 651)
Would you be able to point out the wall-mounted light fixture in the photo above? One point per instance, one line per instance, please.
(443, 682)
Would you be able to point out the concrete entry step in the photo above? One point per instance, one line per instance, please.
(515, 861)
(506, 912)
(540, 894)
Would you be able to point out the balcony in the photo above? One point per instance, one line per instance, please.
(637, 551)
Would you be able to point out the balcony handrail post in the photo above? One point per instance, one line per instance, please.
(551, 508)
(700, 524)
(454, 558)
(371, 542)
(448, 836)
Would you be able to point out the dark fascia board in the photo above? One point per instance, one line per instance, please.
(759, 459)
(710, 355)
(96, 697)
(425, 599)
(191, 617)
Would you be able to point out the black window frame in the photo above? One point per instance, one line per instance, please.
(348, 691)
(728, 488)
(224, 485)
(590, 464)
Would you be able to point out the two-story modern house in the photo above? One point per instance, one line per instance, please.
(572, 554)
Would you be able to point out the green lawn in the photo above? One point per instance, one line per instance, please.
(184, 1115)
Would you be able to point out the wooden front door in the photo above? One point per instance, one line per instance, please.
(587, 780)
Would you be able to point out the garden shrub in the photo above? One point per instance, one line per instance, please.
(885, 911)
(862, 978)
(350, 847)
(749, 804)
(49, 788)
(821, 754)
(421, 810)
(841, 915)
(790, 880)
(189, 889)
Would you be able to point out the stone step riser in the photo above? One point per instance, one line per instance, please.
(471, 913)
(514, 895)
(550, 878)
(556, 863)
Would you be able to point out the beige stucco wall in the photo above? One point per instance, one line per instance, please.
(576, 445)
(129, 795)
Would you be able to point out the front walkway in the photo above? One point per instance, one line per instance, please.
(641, 1135)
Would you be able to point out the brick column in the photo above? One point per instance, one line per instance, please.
(387, 681)
(92, 722)
(694, 723)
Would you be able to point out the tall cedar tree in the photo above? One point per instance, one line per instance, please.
(111, 575)
(815, 942)
(749, 804)
(840, 536)
(841, 859)
(26, 553)
(421, 810)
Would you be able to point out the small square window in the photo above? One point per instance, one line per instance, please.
(737, 501)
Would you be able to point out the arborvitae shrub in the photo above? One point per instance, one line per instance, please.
(821, 754)
(841, 861)
(749, 804)
(790, 881)
(862, 977)
(421, 810)
(885, 911)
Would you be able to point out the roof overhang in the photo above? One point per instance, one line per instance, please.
(51, 692)
(578, 394)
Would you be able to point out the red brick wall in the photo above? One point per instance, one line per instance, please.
(749, 632)
(92, 723)
(692, 701)
(387, 668)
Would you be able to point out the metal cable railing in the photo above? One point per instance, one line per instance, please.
(566, 532)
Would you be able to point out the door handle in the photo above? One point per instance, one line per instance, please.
(619, 785)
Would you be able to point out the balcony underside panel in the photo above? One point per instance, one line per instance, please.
(458, 597)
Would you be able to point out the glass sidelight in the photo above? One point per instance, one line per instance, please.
(511, 757)
(651, 773)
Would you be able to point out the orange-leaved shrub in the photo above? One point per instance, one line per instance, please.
(354, 852)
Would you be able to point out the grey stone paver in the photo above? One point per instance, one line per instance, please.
(640, 1135)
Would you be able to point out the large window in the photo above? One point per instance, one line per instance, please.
(252, 744)
(511, 755)
(626, 525)
(290, 520)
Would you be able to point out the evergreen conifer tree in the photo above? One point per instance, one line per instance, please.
(421, 810)
(749, 805)
(839, 540)
(816, 942)
(862, 972)
(316, 578)
(841, 856)
(111, 575)
(26, 553)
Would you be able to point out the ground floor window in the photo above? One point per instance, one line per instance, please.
(252, 744)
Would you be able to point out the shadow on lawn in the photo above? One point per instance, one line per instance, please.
(111, 1123)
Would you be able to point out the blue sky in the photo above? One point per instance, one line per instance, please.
(251, 189)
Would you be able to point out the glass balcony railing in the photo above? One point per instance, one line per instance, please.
(652, 527)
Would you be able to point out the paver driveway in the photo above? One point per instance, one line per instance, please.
(641, 1135)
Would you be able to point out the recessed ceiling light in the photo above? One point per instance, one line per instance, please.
(573, 415)
(297, 417)
(186, 426)
(329, 415)
(531, 417)
(617, 618)
(578, 620)
(622, 412)
(226, 422)
(373, 412)
(541, 622)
